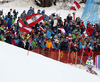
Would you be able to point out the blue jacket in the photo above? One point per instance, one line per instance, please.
(69, 31)
(6, 20)
(9, 23)
(16, 41)
(80, 45)
(30, 11)
(43, 45)
(54, 46)
(48, 34)
(91, 44)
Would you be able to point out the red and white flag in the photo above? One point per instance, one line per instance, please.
(74, 44)
(75, 6)
(69, 37)
(33, 19)
(85, 33)
(42, 29)
(62, 29)
(88, 32)
(23, 27)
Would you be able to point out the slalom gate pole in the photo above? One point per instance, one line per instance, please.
(68, 52)
(30, 42)
(79, 58)
(82, 55)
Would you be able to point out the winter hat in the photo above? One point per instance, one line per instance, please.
(89, 57)
(96, 32)
(88, 21)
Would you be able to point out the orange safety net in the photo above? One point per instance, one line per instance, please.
(62, 55)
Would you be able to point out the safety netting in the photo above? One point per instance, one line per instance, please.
(91, 12)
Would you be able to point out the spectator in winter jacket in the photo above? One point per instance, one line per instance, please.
(54, 45)
(39, 11)
(15, 13)
(2, 37)
(1, 21)
(8, 38)
(23, 14)
(34, 43)
(5, 24)
(27, 45)
(10, 23)
(30, 11)
(2, 29)
(87, 50)
(16, 40)
(9, 15)
(60, 21)
(73, 34)
(49, 44)
(95, 48)
(43, 12)
(48, 34)
(78, 20)
(98, 45)
(91, 43)
(66, 27)
(43, 45)
(82, 27)
(21, 44)
(55, 21)
(64, 45)
(88, 24)
(6, 19)
(11, 12)
(13, 41)
(69, 18)
(69, 31)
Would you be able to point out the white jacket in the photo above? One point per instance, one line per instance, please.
(90, 62)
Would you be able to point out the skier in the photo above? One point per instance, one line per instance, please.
(89, 63)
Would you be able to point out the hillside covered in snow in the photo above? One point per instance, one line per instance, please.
(16, 66)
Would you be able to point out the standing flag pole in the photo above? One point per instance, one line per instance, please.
(59, 56)
(30, 42)
(33, 20)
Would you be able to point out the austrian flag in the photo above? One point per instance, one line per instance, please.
(23, 27)
(88, 32)
(69, 38)
(85, 33)
(62, 29)
(75, 6)
(42, 29)
(33, 19)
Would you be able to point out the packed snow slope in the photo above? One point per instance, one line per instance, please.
(16, 66)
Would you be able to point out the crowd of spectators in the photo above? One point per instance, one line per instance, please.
(51, 37)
